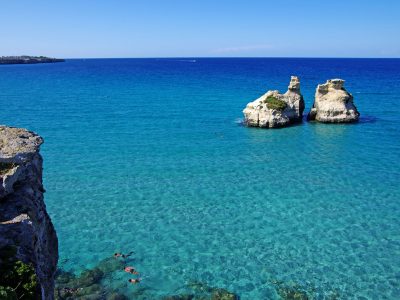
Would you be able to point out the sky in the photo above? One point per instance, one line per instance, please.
(200, 28)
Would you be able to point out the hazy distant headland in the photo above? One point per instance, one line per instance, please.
(25, 59)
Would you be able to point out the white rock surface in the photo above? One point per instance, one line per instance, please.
(258, 114)
(333, 104)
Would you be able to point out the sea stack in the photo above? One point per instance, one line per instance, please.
(27, 234)
(333, 104)
(274, 110)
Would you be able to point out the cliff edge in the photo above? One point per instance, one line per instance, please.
(24, 222)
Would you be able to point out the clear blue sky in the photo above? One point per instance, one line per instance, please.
(166, 28)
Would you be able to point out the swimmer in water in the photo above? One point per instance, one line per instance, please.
(118, 254)
(135, 281)
(127, 255)
(131, 270)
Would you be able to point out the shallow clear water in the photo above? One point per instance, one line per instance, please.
(148, 155)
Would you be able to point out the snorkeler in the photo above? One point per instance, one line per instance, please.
(131, 270)
(118, 254)
(135, 281)
(127, 255)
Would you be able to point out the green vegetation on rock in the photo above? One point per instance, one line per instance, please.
(7, 293)
(18, 279)
(274, 103)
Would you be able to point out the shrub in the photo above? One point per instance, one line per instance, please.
(274, 103)
(7, 293)
(18, 279)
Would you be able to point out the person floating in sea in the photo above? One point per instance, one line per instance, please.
(118, 254)
(135, 281)
(131, 270)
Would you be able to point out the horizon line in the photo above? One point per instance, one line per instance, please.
(194, 57)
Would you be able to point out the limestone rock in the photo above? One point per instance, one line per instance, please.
(333, 104)
(276, 110)
(18, 145)
(24, 222)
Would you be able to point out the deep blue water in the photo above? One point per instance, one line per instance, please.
(149, 155)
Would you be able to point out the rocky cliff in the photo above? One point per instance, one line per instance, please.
(333, 104)
(276, 110)
(24, 222)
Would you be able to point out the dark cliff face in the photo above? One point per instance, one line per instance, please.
(24, 222)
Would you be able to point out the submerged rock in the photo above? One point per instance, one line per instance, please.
(202, 291)
(333, 104)
(91, 290)
(110, 264)
(116, 296)
(91, 283)
(273, 109)
(64, 278)
(222, 294)
(90, 277)
(291, 291)
(179, 297)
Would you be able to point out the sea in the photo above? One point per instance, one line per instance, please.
(151, 157)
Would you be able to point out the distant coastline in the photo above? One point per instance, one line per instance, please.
(25, 59)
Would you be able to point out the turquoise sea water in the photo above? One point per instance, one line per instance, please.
(148, 155)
